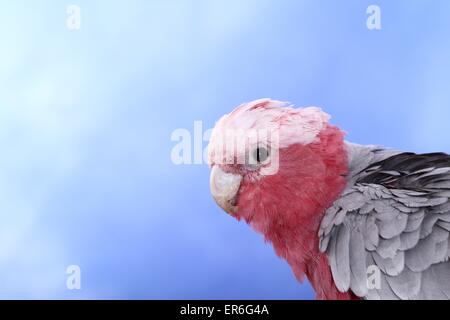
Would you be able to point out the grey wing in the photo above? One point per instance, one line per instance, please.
(387, 237)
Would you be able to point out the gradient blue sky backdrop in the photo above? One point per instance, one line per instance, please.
(86, 117)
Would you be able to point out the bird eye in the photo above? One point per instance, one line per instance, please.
(260, 154)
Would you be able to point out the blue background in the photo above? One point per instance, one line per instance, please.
(86, 116)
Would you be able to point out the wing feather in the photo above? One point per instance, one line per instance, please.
(394, 215)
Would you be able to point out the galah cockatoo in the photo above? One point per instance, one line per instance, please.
(337, 212)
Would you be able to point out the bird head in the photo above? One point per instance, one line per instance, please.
(274, 165)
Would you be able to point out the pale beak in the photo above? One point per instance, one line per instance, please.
(224, 188)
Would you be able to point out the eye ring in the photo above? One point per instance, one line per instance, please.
(261, 154)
